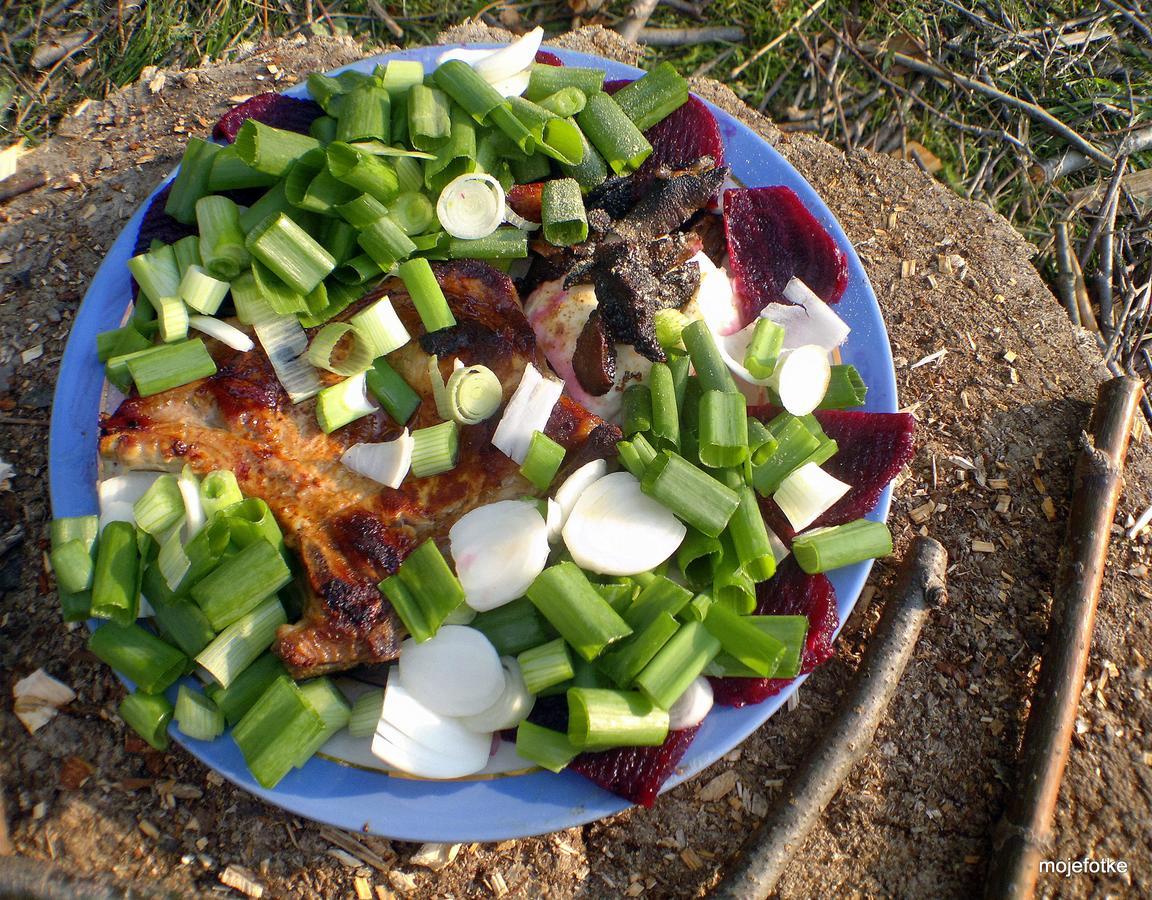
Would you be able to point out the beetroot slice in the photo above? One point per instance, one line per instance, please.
(548, 59)
(635, 773)
(771, 238)
(272, 109)
(157, 225)
(526, 199)
(873, 448)
(791, 592)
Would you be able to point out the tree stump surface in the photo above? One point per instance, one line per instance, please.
(1000, 414)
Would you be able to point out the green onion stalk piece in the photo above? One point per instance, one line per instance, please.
(544, 80)
(427, 295)
(723, 431)
(613, 134)
(434, 449)
(473, 394)
(654, 97)
(116, 576)
(274, 732)
(171, 365)
(222, 247)
(392, 391)
(423, 591)
(150, 663)
(365, 114)
(846, 389)
(547, 748)
(543, 461)
(247, 687)
(562, 211)
(576, 610)
(148, 715)
(366, 173)
(691, 494)
(514, 627)
(197, 716)
(192, 181)
(741, 639)
(764, 348)
(547, 665)
(271, 150)
(790, 631)
(239, 645)
(600, 718)
(824, 549)
(678, 663)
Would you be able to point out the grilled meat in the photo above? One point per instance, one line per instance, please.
(350, 531)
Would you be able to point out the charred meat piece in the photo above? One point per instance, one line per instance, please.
(709, 228)
(350, 531)
(668, 205)
(594, 361)
(615, 197)
(680, 285)
(628, 295)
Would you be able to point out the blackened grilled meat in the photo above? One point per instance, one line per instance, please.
(594, 360)
(668, 205)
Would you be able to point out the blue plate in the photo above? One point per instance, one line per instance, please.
(496, 808)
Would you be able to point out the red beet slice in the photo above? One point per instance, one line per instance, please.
(635, 773)
(790, 592)
(272, 109)
(548, 59)
(157, 225)
(771, 238)
(525, 200)
(873, 448)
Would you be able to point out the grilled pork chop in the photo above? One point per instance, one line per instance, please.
(350, 531)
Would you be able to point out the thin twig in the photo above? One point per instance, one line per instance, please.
(780, 38)
(382, 14)
(1065, 279)
(679, 37)
(638, 17)
(1135, 141)
(14, 187)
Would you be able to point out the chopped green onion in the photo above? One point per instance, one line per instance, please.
(562, 212)
(549, 749)
(429, 124)
(187, 252)
(660, 595)
(610, 131)
(543, 460)
(545, 80)
(669, 325)
(665, 431)
(636, 409)
(527, 169)
(697, 609)
(546, 665)
(116, 577)
(247, 687)
(400, 75)
(312, 187)
(291, 253)
(654, 97)
(362, 211)
(329, 704)
(572, 605)
(241, 583)
(356, 271)
(513, 627)
(363, 171)
(623, 662)
(148, 715)
(750, 537)
(677, 664)
(473, 394)
(636, 454)
(386, 242)
(235, 648)
(366, 713)
(435, 449)
(599, 719)
(172, 317)
(365, 113)
(76, 606)
(274, 732)
(392, 391)
(761, 442)
(218, 490)
(756, 649)
(427, 295)
(565, 102)
(138, 655)
(423, 591)
(356, 353)
(723, 433)
(197, 716)
(788, 630)
(177, 617)
(323, 128)
(380, 328)
(119, 342)
(764, 348)
(503, 243)
(201, 291)
(73, 566)
(694, 496)
(590, 172)
(169, 366)
(160, 508)
(456, 157)
(339, 239)
(250, 521)
(732, 586)
(698, 557)
(157, 273)
(271, 150)
(342, 403)
(324, 89)
(231, 173)
(222, 248)
(409, 174)
(461, 82)
(824, 549)
(192, 181)
(795, 445)
(273, 201)
(413, 212)
(807, 493)
(845, 389)
(280, 299)
(706, 359)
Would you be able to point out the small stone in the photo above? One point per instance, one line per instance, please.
(402, 881)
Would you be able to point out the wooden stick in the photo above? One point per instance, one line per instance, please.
(1073, 160)
(920, 588)
(384, 16)
(638, 17)
(780, 38)
(679, 37)
(14, 187)
(1065, 278)
(1026, 831)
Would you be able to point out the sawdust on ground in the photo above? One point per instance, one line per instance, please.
(999, 412)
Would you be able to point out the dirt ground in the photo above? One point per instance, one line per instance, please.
(1000, 413)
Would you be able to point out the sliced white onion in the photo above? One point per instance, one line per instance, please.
(514, 86)
(510, 709)
(555, 521)
(715, 297)
(454, 673)
(514, 218)
(471, 206)
(498, 550)
(399, 751)
(576, 484)
(226, 334)
(822, 325)
(527, 412)
(508, 61)
(464, 54)
(617, 529)
(780, 551)
(194, 517)
(387, 462)
(118, 495)
(286, 344)
(807, 494)
(801, 378)
(694, 704)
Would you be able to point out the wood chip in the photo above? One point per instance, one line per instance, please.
(1049, 509)
(345, 841)
(983, 547)
(240, 879)
(930, 358)
(345, 858)
(32, 354)
(363, 888)
(435, 856)
(719, 786)
(149, 829)
(402, 881)
(1003, 501)
(382, 893)
(921, 514)
(496, 883)
(998, 484)
(907, 268)
(691, 859)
